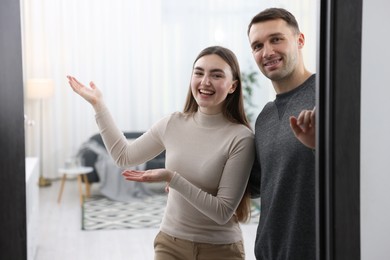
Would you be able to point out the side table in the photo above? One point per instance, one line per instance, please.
(80, 172)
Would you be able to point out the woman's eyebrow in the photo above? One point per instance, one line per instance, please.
(217, 70)
(212, 70)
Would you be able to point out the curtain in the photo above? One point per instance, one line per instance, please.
(138, 52)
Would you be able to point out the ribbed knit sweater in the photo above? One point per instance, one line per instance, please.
(212, 158)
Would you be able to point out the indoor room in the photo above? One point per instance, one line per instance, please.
(63, 197)
(140, 55)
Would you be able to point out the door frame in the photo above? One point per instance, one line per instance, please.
(338, 134)
(13, 236)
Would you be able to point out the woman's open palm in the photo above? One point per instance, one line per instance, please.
(154, 175)
(92, 94)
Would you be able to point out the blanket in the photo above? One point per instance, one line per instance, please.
(112, 183)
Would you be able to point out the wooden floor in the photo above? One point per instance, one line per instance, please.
(61, 238)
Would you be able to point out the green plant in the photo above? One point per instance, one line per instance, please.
(249, 82)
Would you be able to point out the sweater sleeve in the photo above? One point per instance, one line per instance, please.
(125, 153)
(255, 180)
(221, 207)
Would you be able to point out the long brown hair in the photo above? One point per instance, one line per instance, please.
(243, 211)
(233, 110)
(233, 106)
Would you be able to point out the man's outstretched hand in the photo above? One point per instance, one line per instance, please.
(304, 127)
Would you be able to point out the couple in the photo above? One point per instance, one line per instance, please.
(211, 152)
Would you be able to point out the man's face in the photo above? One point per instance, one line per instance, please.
(275, 47)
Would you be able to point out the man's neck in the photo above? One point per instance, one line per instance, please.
(292, 82)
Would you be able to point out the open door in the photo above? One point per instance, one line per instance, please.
(338, 136)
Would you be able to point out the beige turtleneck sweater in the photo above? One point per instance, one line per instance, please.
(212, 158)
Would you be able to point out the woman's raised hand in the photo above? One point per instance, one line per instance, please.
(92, 94)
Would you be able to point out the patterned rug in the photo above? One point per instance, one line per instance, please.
(101, 213)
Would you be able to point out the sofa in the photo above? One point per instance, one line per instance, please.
(89, 157)
(112, 185)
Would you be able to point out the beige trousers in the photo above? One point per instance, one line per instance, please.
(167, 247)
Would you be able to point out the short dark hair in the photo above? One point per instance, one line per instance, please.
(273, 14)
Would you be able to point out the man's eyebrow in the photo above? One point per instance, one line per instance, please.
(277, 34)
(270, 36)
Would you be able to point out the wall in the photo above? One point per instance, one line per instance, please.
(143, 78)
(375, 131)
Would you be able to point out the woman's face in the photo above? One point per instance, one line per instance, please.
(211, 82)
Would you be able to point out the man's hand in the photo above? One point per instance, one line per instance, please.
(304, 127)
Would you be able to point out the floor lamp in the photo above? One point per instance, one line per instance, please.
(40, 89)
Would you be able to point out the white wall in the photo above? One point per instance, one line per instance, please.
(375, 131)
(139, 53)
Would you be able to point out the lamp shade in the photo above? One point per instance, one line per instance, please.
(39, 88)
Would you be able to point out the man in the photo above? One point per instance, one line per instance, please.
(283, 174)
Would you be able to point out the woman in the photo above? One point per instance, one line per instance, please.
(209, 153)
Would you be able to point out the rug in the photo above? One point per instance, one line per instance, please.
(101, 213)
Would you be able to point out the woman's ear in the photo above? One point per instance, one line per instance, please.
(233, 87)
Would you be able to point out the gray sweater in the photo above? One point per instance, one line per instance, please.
(284, 177)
